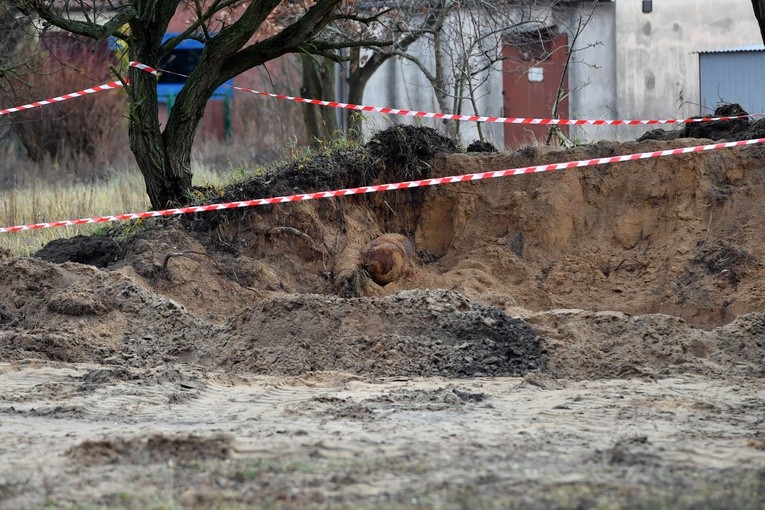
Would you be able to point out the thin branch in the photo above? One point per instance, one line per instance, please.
(361, 19)
(84, 28)
(171, 43)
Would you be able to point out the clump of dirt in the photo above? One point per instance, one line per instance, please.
(728, 130)
(151, 450)
(415, 332)
(96, 251)
(481, 146)
(407, 149)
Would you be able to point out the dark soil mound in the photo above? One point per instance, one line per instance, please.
(729, 130)
(397, 154)
(407, 149)
(417, 332)
(733, 129)
(481, 146)
(99, 251)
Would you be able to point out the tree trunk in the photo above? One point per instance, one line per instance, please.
(165, 184)
(164, 157)
(356, 85)
(318, 83)
(449, 128)
(357, 82)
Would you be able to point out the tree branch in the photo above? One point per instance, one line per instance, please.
(364, 20)
(92, 30)
(326, 45)
(170, 44)
(286, 41)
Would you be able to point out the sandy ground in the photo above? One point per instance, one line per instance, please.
(584, 339)
(179, 436)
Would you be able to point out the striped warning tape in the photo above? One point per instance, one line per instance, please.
(390, 111)
(480, 118)
(385, 187)
(106, 86)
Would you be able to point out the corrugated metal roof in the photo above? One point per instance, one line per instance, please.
(751, 47)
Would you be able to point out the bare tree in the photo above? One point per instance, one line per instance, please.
(15, 34)
(458, 45)
(399, 25)
(237, 35)
(463, 43)
(575, 30)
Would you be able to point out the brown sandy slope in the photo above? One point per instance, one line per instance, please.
(596, 335)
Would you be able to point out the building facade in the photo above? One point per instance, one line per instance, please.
(633, 60)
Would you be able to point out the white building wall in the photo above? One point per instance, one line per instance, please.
(657, 64)
(627, 65)
(399, 83)
(592, 72)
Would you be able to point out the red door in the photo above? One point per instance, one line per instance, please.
(532, 75)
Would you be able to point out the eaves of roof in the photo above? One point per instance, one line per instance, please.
(739, 49)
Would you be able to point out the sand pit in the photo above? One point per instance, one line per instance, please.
(582, 338)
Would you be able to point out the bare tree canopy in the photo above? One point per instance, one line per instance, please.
(237, 35)
(14, 30)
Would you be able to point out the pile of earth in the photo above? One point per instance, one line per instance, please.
(643, 268)
(740, 127)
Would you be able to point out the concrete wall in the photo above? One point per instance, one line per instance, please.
(657, 67)
(399, 83)
(592, 72)
(592, 77)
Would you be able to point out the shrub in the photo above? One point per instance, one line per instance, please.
(91, 128)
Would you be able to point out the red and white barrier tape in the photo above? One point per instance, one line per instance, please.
(106, 86)
(388, 111)
(385, 187)
(143, 67)
(479, 118)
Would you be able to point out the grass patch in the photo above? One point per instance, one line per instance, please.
(38, 202)
(41, 200)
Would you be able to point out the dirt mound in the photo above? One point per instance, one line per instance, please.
(609, 345)
(74, 313)
(96, 251)
(258, 291)
(729, 130)
(417, 332)
(151, 449)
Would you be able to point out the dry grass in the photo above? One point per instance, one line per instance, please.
(79, 177)
(42, 201)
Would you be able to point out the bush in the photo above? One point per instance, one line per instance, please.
(88, 129)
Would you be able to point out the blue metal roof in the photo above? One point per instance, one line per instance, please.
(739, 49)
